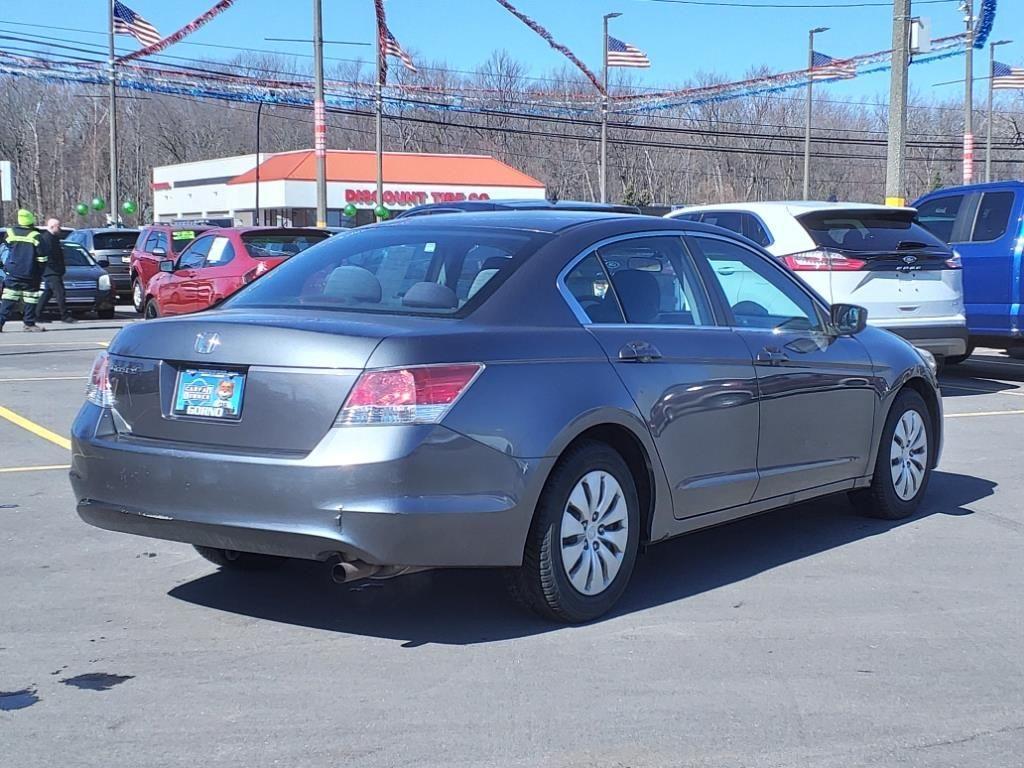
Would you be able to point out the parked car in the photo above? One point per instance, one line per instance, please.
(218, 263)
(477, 206)
(985, 223)
(875, 256)
(87, 285)
(544, 392)
(155, 243)
(112, 249)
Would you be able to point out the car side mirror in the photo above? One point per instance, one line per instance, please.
(103, 262)
(166, 265)
(159, 252)
(848, 319)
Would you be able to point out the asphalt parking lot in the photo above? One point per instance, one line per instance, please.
(805, 637)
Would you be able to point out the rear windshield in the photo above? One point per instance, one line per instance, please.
(868, 231)
(115, 241)
(280, 245)
(182, 237)
(400, 270)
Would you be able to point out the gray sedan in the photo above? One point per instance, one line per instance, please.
(542, 392)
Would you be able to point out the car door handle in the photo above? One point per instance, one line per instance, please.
(771, 356)
(639, 352)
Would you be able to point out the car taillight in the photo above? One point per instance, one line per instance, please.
(954, 262)
(99, 391)
(822, 261)
(419, 395)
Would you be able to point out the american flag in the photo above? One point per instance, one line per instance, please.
(826, 68)
(392, 48)
(128, 22)
(622, 54)
(1004, 76)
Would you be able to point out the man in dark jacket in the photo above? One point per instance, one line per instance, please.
(23, 271)
(53, 274)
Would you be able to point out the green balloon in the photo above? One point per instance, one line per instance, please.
(98, 203)
(129, 207)
(382, 212)
(81, 209)
(350, 210)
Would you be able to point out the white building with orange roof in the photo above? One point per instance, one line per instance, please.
(282, 186)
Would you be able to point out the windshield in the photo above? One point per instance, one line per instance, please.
(76, 256)
(115, 241)
(868, 231)
(280, 245)
(396, 270)
(182, 237)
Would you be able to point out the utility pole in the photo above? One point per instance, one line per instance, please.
(112, 110)
(604, 113)
(810, 110)
(379, 108)
(319, 115)
(895, 164)
(968, 8)
(991, 112)
(257, 220)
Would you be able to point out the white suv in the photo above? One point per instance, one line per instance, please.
(855, 253)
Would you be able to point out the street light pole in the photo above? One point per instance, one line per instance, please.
(379, 125)
(319, 115)
(112, 109)
(810, 110)
(991, 114)
(604, 113)
(968, 7)
(895, 161)
(256, 218)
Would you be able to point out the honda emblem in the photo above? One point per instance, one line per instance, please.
(207, 342)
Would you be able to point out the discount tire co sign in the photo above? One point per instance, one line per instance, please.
(408, 198)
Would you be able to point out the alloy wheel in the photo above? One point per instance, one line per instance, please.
(594, 532)
(908, 455)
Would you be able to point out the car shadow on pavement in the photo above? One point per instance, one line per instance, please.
(462, 607)
(981, 375)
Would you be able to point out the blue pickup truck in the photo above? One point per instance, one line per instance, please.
(985, 224)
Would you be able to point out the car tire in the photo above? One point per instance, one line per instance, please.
(152, 310)
(105, 314)
(547, 582)
(138, 296)
(231, 560)
(888, 497)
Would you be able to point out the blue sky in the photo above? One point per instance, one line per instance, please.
(680, 39)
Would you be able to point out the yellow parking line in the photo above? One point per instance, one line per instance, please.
(46, 378)
(44, 468)
(34, 428)
(983, 413)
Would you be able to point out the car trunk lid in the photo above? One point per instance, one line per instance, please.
(295, 371)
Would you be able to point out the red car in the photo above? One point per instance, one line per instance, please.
(218, 263)
(156, 243)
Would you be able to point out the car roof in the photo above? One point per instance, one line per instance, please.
(980, 187)
(516, 205)
(104, 230)
(549, 220)
(792, 207)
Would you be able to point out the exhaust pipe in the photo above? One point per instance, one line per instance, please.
(347, 571)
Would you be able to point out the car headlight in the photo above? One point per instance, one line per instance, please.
(929, 360)
(104, 282)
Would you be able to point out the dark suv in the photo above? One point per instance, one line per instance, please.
(111, 247)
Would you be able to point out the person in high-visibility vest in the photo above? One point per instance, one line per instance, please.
(23, 271)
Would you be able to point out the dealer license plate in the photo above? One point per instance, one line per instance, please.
(209, 394)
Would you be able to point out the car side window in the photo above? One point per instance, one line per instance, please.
(938, 215)
(161, 242)
(731, 220)
(754, 230)
(589, 285)
(195, 255)
(221, 252)
(759, 294)
(993, 216)
(654, 282)
(151, 242)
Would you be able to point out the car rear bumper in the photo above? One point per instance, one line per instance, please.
(409, 496)
(941, 340)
